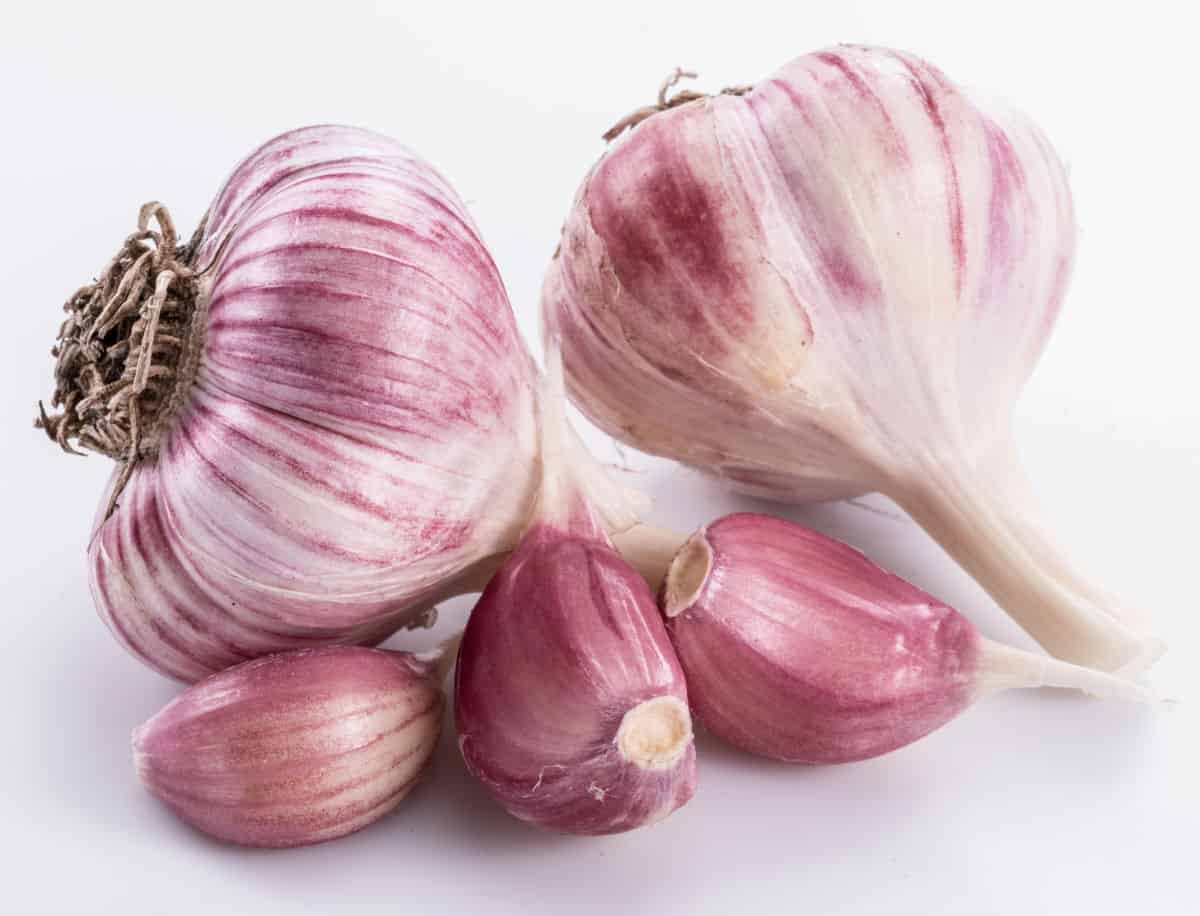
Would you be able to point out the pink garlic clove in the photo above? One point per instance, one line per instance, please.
(570, 704)
(295, 748)
(799, 648)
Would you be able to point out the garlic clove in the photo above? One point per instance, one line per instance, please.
(295, 748)
(798, 647)
(570, 704)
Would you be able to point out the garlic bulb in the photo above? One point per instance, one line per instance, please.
(296, 748)
(322, 408)
(834, 282)
(798, 647)
(570, 705)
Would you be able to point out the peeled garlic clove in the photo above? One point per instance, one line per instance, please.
(295, 748)
(834, 282)
(570, 704)
(798, 647)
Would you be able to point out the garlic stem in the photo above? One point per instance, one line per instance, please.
(650, 550)
(994, 536)
(1002, 667)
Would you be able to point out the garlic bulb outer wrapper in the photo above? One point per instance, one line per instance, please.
(358, 434)
(570, 704)
(798, 647)
(295, 748)
(835, 283)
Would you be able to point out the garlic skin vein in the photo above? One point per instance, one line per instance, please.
(838, 282)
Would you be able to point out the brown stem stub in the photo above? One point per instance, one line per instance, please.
(120, 349)
(682, 97)
(672, 81)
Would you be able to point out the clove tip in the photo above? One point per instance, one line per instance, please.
(687, 574)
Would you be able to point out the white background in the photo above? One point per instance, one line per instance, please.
(1033, 802)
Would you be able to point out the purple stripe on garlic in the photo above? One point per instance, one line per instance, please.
(798, 647)
(836, 282)
(295, 748)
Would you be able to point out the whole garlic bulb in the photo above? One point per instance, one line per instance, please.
(296, 748)
(834, 282)
(322, 408)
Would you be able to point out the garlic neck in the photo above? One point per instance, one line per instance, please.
(983, 514)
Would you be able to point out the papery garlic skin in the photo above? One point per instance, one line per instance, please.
(570, 705)
(358, 434)
(834, 283)
(295, 748)
(799, 648)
